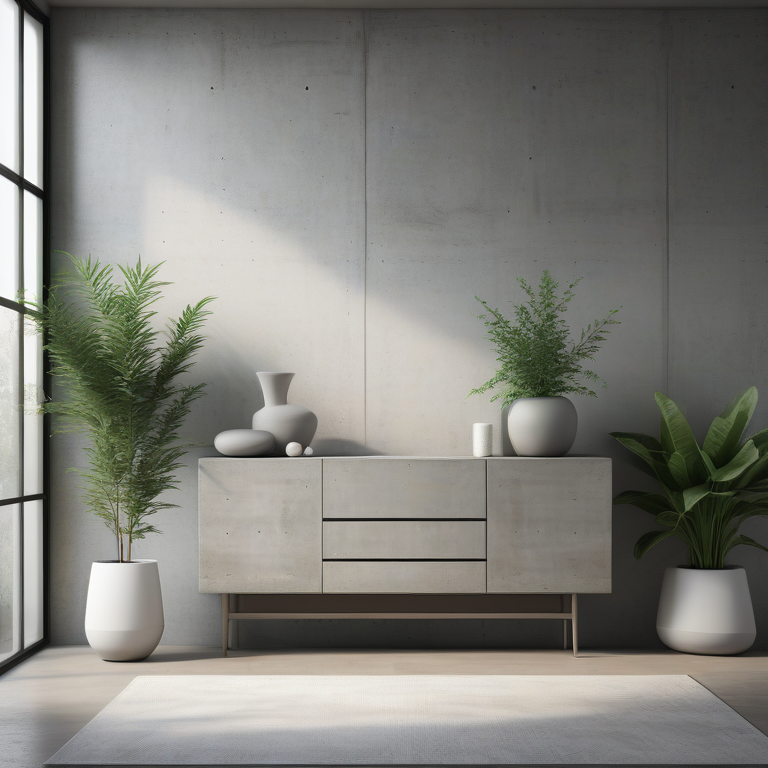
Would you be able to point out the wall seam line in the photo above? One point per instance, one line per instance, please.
(665, 309)
(365, 227)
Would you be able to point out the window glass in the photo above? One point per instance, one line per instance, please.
(33, 572)
(33, 100)
(9, 580)
(9, 238)
(9, 84)
(9, 403)
(33, 420)
(33, 246)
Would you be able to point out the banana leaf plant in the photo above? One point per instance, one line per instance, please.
(708, 491)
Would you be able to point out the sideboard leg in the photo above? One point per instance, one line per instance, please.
(224, 623)
(575, 624)
(565, 623)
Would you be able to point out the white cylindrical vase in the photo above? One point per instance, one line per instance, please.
(482, 440)
(706, 611)
(124, 610)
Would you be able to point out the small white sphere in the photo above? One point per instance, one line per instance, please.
(293, 449)
(308, 451)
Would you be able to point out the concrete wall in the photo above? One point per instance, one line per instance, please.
(346, 182)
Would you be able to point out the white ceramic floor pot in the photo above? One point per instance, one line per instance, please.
(124, 611)
(542, 426)
(706, 611)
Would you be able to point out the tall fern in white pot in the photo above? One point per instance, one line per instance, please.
(539, 365)
(121, 389)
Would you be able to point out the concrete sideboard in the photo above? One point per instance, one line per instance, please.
(329, 535)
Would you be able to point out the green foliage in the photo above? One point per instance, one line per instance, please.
(121, 390)
(709, 491)
(535, 356)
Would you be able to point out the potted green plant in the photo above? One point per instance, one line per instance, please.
(122, 391)
(538, 366)
(708, 492)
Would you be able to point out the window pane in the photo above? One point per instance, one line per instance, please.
(9, 84)
(9, 238)
(9, 580)
(33, 421)
(33, 572)
(33, 246)
(33, 100)
(9, 403)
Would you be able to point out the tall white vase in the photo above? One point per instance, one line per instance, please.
(124, 611)
(542, 426)
(706, 611)
(288, 423)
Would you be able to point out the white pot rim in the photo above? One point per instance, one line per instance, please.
(708, 570)
(117, 562)
(543, 397)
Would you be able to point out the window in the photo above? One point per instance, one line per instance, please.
(23, 244)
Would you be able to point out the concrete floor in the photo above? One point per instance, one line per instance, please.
(45, 700)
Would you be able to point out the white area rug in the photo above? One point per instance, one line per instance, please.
(395, 720)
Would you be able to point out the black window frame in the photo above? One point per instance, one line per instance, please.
(25, 6)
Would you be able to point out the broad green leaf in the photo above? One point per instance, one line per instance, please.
(724, 435)
(744, 459)
(666, 437)
(711, 469)
(682, 438)
(747, 541)
(648, 540)
(760, 439)
(653, 503)
(668, 518)
(648, 442)
(679, 470)
(757, 473)
(656, 460)
(692, 496)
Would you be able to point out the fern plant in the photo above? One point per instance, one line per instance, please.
(535, 357)
(708, 491)
(120, 388)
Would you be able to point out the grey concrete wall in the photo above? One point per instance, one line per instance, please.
(346, 182)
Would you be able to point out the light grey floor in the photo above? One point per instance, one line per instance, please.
(47, 699)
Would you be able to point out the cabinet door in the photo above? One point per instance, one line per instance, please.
(260, 525)
(549, 525)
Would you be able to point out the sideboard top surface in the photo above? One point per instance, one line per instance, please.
(570, 457)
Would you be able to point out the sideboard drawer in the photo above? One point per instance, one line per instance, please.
(404, 488)
(404, 539)
(404, 577)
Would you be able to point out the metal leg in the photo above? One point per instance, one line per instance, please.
(575, 624)
(224, 623)
(565, 623)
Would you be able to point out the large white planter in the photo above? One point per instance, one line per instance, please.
(706, 611)
(542, 426)
(124, 611)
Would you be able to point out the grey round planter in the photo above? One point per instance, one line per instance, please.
(542, 426)
(707, 612)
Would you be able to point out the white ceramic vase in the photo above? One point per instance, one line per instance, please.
(124, 611)
(288, 423)
(706, 611)
(542, 426)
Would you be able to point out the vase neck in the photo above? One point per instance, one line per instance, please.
(275, 387)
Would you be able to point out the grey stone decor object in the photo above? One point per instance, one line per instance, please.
(542, 426)
(244, 442)
(288, 423)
